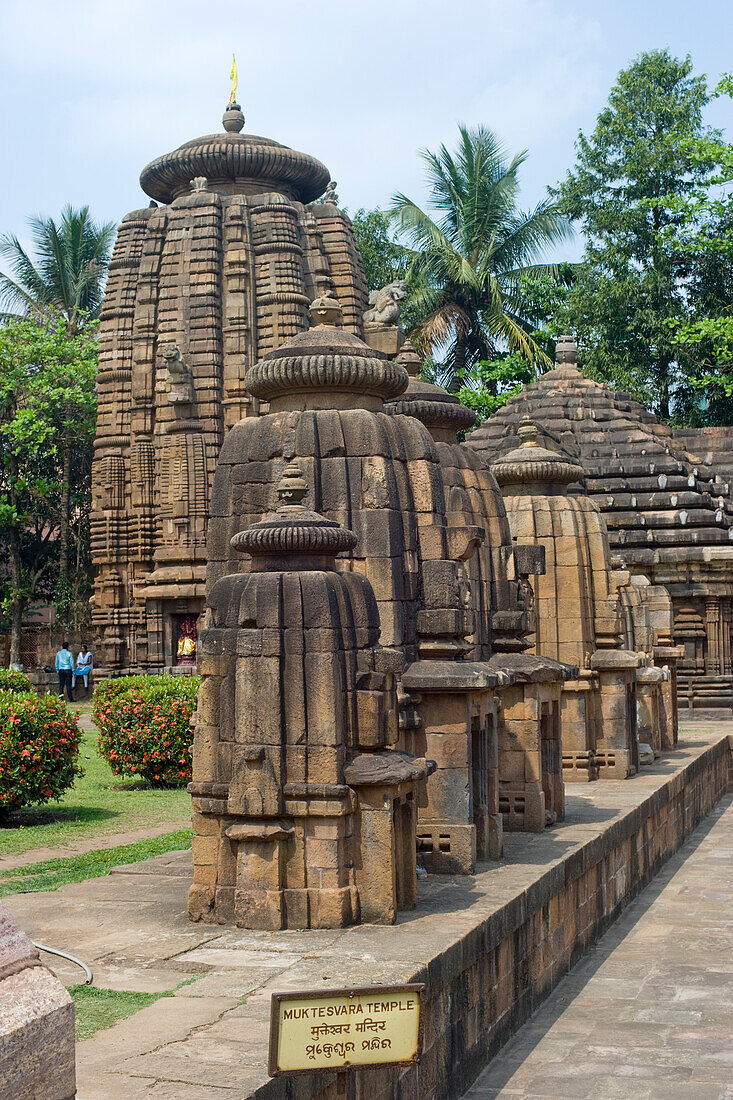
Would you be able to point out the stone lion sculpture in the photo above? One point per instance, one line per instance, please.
(180, 380)
(386, 304)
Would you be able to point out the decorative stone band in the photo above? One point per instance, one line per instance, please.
(234, 157)
(525, 470)
(451, 415)
(332, 369)
(297, 532)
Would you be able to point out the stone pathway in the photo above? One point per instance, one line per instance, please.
(649, 1013)
(209, 1037)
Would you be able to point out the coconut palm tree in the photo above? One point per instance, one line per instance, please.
(469, 261)
(68, 271)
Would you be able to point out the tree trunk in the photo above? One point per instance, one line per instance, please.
(17, 599)
(459, 363)
(663, 381)
(65, 508)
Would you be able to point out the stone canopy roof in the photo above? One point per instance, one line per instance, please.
(657, 501)
(326, 360)
(530, 464)
(232, 161)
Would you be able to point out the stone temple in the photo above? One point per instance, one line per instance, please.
(669, 517)
(219, 269)
(408, 643)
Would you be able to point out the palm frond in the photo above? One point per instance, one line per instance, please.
(68, 270)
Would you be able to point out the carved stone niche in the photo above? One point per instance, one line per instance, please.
(304, 814)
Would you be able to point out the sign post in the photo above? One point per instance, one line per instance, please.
(341, 1029)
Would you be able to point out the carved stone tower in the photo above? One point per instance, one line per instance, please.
(200, 287)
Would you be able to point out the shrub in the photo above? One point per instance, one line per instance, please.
(144, 726)
(10, 680)
(39, 749)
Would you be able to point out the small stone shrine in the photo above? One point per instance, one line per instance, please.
(199, 288)
(668, 517)
(304, 814)
(525, 706)
(578, 607)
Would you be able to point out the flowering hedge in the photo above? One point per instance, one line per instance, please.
(10, 680)
(39, 749)
(144, 726)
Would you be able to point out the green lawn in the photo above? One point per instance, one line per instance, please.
(101, 803)
(95, 1009)
(50, 874)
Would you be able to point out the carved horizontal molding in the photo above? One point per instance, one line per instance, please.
(278, 246)
(283, 297)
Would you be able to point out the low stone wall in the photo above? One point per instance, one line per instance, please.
(490, 980)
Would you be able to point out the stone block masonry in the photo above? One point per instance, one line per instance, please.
(468, 938)
(499, 968)
(36, 1022)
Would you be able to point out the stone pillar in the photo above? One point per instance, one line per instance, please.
(726, 627)
(458, 820)
(713, 632)
(650, 714)
(579, 728)
(531, 791)
(617, 750)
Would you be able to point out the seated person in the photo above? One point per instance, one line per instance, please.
(84, 665)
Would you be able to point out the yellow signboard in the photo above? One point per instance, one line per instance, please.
(345, 1028)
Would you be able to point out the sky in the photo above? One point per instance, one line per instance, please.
(92, 91)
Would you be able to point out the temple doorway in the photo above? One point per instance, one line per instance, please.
(186, 638)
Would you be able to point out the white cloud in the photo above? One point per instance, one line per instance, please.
(94, 90)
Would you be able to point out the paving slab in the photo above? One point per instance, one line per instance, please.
(649, 1012)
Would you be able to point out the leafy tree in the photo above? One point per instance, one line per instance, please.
(68, 272)
(65, 279)
(384, 260)
(493, 381)
(468, 261)
(707, 236)
(47, 415)
(633, 175)
(488, 385)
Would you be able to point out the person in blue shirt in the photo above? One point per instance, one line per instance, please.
(65, 669)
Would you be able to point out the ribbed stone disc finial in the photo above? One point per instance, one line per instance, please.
(305, 539)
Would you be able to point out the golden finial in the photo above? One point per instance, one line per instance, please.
(233, 78)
